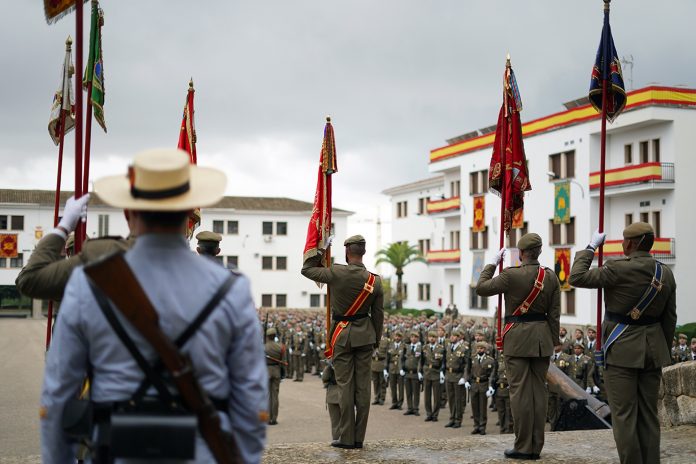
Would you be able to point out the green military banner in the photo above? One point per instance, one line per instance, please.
(561, 209)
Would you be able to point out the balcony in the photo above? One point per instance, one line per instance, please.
(443, 256)
(663, 250)
(444, 207)
(634, 178)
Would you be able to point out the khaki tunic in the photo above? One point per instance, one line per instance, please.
(456, 363)
(274, 352)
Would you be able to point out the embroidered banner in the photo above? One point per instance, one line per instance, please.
(479, 214)
(518, 219)
(562, 266)
(8, 245)
(561, 210)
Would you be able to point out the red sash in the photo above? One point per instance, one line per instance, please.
(524, 307)
(359, 300)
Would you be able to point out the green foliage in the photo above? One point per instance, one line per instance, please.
(411, 312)
(688, 329)
(399, 255)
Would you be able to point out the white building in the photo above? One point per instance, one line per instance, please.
(649, 153)
(263, 237)
(423, 285)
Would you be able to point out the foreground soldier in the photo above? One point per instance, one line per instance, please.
(640, 299)
(208, 243)
(533, 305)
(226, 349)
(353, 337)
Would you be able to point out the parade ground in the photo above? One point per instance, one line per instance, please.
(303, 433)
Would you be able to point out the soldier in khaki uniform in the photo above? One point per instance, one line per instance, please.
(208, 243)
(379, 364)
(396, 380)
(433, 375)
(333, 401)
(502, 395)
(480, 382)
(562, 361)
(529, 343)
(456, 364)
(412, 373)
(680, 353)
(353, 346)
(298, 352)
(581, 369)
(274, 359)
(634, 361)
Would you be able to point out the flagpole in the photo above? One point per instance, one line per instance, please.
(78, 115)
(88, 147)
(503, 188)
(328, 299)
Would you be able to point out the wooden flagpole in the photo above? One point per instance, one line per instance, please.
(503, 192)
(78, 114)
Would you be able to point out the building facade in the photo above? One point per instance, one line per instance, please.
(649, 158)
(263, 237)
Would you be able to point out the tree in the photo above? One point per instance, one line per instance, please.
(399, 255)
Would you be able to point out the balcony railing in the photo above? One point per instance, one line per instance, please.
(663, 249)
(646, 173)
(444, 205)
(443, 256)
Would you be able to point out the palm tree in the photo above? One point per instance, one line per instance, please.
(399, 255)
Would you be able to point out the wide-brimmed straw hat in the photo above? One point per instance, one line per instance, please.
(162, 180)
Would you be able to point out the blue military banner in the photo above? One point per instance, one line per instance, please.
(607, 69)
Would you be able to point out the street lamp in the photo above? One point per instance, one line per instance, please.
(553, 176)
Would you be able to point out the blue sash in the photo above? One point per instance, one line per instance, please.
(647, 298)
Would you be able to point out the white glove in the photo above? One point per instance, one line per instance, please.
(420, 377)
(290, 350)
(402, 373)
(323, 346)
(498, 257)
(467, 385)
(595, 389)
(386, 375)
(311, 344)
(461, 381)
(303, 355)
(490, 392)
(442, 377)
(329, 241)
(73, 211)
(588, 390)
(597, 239)
(275, 339)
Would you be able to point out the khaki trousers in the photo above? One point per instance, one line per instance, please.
(273, 393)
(528, 400)
(412, 392)
(432, 397)
(455, 398)
(479, 403)
(502, 404)
(378, 386)
(352, 369)
(396, 385)
(633, 402)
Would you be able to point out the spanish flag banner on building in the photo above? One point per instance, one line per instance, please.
(8, 245)
(562, 266)
(561, 209)
(479, 224)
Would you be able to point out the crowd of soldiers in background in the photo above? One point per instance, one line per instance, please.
(452, 360)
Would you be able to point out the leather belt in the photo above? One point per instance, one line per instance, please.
(528, 317)
(353, 318)
(628, 320)
(450, 370)
(503, 385)
(433, 366)
(481, 379)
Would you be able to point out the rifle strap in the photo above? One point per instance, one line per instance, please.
(110, 315)
(190, 330)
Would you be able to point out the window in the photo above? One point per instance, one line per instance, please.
(281, 228)
(424, 246)
(454, 239)
(281, 301)
(3, 222)
(267, 262)
(423, 292)
(562, 165)
(644, 155)
(219, 227)
(423, 205)
(267, 300)
(454, 188)
(562, 234)
(656, 150)
(17, 262)
(404, 291)
(628, 154)
(281, 263)
(401, 209)
(473, 182)
(17, 223)
(656, 223)
(232, 262)
(475, 301)
(219, 259)
(314, 300)
(267, 228)
(516, 235)
(568, 302)
(478, 182)
(628, 219)
(644, 217)
(103, 225)
(478, 240)
(232, 227)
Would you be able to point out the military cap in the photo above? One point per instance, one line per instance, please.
(399, 333)
(354, 239)
(638, 229)
(432, 333)
(415, 334)
(271, 331)
(693, 340)
(683, 336)
(528, 241)
(479, 332)
(459, 332)
(207, 236)
(481, 345)
(576, 344)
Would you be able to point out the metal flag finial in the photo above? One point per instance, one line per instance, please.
(191, 84)
(328, 119)
(68, 43)
(507, 60)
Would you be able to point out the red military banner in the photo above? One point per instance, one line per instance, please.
(8, 245)
(187, 142)
(562, 266)
(518, 219)
(479, 214)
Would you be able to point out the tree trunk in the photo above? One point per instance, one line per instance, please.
(399, 289)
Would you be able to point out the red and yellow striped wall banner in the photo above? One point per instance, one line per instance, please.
(479, 224)
(662, 246)
(8, 245)
(443, 256)
(628, 175)
(642, 97)
(439, 206)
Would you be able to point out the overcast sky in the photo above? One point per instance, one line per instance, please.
(398, 77)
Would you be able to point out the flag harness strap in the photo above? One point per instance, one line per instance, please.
(366, 291)
(524, 307)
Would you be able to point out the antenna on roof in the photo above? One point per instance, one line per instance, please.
(628, 61)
